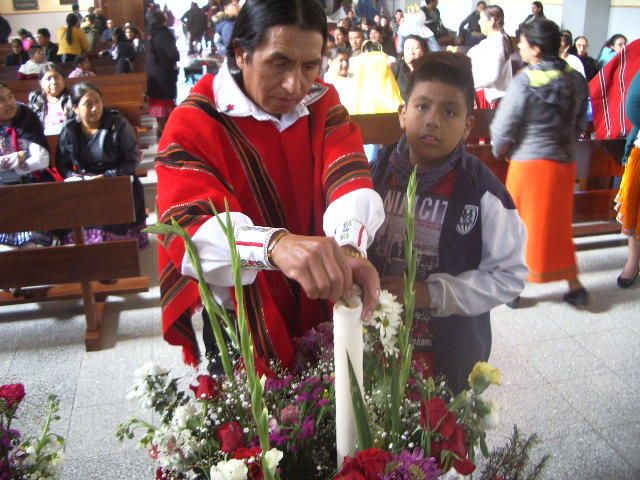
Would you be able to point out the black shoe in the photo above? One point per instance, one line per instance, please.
(515, 303)
(627, 282)
(577, 298)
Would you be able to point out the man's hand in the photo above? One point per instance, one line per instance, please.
(316, 263)
(395, 286)
(324, 271)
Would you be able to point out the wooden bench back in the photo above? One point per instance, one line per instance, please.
(99, 66)
(125, 93)
(114, 88)
(384, 128)
(103, 201)
(5, 49)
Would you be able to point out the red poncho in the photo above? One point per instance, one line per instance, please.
(278, 179)
(608, 92)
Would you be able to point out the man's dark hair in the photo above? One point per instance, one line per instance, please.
(341, 51)
(75, 7)
(119, 35)
(448, 68)
(257, 16)
(544, 34)
(377, 28)
(481, 2)
(356, 30)
(44, 32)
(344, 31)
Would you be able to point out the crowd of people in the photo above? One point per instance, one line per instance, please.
(94, 140)
(312, 218)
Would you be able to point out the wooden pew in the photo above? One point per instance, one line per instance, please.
(124, 92)
(593, 212)
(597, 165)
(71, 271)
(52, 140)
(384, 128)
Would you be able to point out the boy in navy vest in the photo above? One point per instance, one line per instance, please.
(469, 237)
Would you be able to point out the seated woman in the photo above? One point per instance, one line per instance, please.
(491, 59)
(413, 49)
(611, 48)
(580, 49)
(566, 42)
(17, 56)
(100, 142)
(133, 35)
(51, 103)
(122, 52)
(24, 154)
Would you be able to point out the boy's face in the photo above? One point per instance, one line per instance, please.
(435, 120)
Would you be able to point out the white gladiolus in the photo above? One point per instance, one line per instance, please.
(492, 419)
(273, 458)
(230, 470)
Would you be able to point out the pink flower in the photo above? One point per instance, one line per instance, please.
(290, 414)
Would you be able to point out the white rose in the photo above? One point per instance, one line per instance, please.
(492, 419)
(230, 470)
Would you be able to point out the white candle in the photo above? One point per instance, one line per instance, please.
(347, 338)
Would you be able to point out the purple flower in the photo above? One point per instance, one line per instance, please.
(278, 438)
(323, 401)
(412, 464)
(278, 383)
(308, 428)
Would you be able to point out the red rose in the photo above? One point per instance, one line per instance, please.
(208, 388)
(368, 464)
(435, 415)
(457, 445)
(373, 461)
(243, 453)
(351, 470)
(12, 394)
(231, 437)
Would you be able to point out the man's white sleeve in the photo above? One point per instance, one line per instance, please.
(502, 272)
(354, 218)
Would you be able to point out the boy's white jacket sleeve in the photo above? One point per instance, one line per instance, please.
(502, 272)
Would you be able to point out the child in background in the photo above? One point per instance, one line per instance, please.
(17, 56)
(35, 64)
(82, 67)
(469, 238)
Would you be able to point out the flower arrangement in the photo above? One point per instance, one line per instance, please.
(260, 421)
(30, 458)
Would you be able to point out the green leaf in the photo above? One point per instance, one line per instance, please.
(363, 430)
(160, 229)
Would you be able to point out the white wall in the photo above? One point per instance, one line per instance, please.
(625, 20)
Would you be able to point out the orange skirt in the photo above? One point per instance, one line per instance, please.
(543, 193)
(628, 197)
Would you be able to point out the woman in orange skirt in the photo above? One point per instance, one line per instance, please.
(628, 198)
(536, 126)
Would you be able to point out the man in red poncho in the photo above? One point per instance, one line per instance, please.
(276, 143)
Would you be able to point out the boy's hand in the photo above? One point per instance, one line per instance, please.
(395, 286)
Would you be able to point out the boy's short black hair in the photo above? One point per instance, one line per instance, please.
(449, 68)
